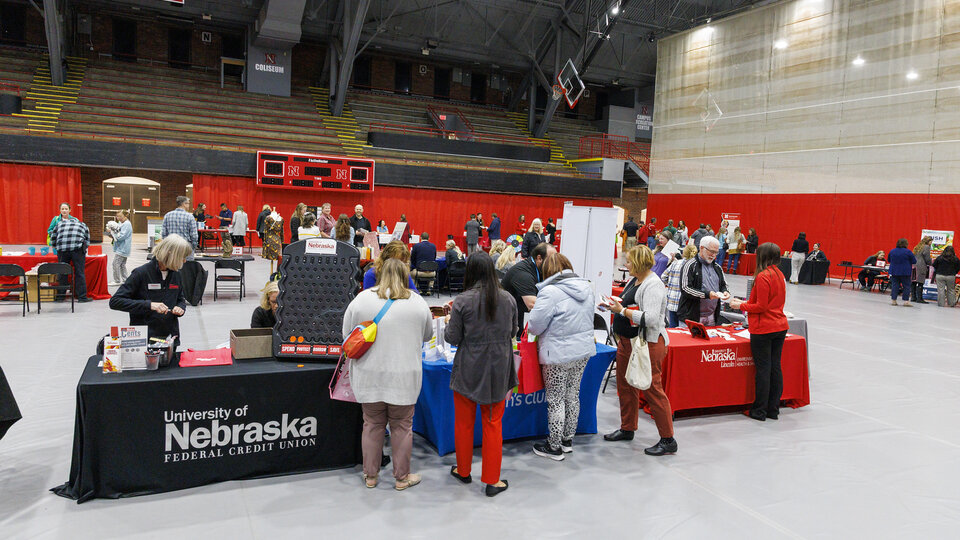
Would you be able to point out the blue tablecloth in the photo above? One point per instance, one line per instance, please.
(525, 414)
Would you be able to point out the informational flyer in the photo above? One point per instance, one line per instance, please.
(133, 346)
(670, 249)
(398, 230)
(941, 239)
(733, 220)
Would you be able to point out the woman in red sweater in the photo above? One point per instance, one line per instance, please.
(768, 329)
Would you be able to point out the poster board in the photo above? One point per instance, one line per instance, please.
(941, 239)
(398, 230)
(733, 218)
(589, 240)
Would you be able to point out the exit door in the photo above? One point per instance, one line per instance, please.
(143, 201)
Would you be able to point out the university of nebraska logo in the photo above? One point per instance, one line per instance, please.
(270, 58)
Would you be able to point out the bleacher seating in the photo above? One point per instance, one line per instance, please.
(157, 104)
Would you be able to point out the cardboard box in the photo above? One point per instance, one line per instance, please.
(251, 343)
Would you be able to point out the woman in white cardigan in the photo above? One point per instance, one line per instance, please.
(386, 380)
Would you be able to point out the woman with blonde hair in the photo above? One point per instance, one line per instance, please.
(395, 249)
(153, 294)
(453, 253)
(506, 259)
(497, 248)
(922, 252)
(735, 245)
(671, 279)
(296, 221)
(265, 316)
(122, 240)
(643, 308)
(308, 228)
(386, 379)
(533, 238)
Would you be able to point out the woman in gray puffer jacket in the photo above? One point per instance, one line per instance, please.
(562, 320)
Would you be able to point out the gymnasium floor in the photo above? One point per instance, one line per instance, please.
(875, 455)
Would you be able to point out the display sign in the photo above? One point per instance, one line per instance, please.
(116, 201)
(733, 220)
(314, 172)
(321, 246)
(941, 239)
(145, 203)
(126, 348)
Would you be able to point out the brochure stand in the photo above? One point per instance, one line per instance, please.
(318, 279)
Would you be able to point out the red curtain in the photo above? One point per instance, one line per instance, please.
(438, 212)
(30, 196)
(848, 226)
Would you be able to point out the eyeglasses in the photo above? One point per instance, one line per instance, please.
(712, 251)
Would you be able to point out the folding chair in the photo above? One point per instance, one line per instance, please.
(14, 271)
(600, 323)
(60, 269)
(455, 273)
(234, 274)
(423, 283)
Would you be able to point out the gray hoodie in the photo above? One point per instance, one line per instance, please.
(562, 318)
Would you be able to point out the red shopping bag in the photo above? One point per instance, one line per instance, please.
(529, 374)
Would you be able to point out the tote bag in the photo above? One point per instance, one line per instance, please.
(529, 374)
(339, 386)
(639, 374)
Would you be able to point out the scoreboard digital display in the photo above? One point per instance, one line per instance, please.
(314, 172)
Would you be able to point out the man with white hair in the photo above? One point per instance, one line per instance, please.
(360, 224)
(702, 285)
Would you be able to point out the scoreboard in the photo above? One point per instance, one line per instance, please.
(314, 172)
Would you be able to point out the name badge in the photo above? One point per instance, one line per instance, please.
(154, 286)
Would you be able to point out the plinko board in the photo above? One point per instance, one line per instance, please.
(318, 279)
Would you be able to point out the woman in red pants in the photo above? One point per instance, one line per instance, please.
(644, 307)
(481, 324)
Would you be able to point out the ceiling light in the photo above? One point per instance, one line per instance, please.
(780, 44)
(858, 61)
(615, 9)
(912, 75)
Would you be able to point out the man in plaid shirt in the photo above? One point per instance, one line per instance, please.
(181, 222)
(70, 238)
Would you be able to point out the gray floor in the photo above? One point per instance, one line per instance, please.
(876, 455)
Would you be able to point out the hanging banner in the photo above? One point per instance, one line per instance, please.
(941, 239)
(733, 220)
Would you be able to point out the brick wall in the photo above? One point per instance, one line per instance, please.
(172, 184)
(633, 202)
(382, 72)
(153, 41)
(308, 59)
(423, 82)
(34, 32)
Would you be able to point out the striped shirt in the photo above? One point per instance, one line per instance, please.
(671, 278)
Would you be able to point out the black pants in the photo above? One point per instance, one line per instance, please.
(867, 278)
(78, 258)
(238, 240)
(766, 350)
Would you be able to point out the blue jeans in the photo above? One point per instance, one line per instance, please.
(652, 242)
(733, 263)
(721, 256)
(898, 284)
(672, 321)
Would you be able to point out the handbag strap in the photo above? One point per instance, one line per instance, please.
(383, 311)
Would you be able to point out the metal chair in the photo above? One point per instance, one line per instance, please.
(14, 271)
(455, 273)
(600, 323)
(235, 275)
(423, 283)
(59, 269)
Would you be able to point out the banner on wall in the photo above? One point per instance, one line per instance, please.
(941, 239)
(733, 220)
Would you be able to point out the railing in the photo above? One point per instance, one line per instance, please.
(471, 136)
(437, 115)
(616, 147)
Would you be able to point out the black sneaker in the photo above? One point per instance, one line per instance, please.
(619, 435)
(662, 448)
(566, 445)
(543, 449)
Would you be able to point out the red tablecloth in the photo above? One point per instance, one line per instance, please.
(699, 374)
(95, 271)
(748, 264)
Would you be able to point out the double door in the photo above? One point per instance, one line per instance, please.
(143, 201)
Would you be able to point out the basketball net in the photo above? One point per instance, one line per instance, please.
(557, 92)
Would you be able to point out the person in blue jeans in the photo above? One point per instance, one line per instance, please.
(901, 269)
(734, 242)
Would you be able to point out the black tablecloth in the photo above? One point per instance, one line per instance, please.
(811, 273)
(142, 432)
(9, 412)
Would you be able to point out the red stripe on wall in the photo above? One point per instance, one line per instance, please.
(30, 196)
(849, 226)
(439, 212)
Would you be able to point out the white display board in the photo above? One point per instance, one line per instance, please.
(589, 238)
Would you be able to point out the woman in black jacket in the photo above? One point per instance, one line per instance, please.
(153, 294)
(946, 267)
(265, 316)
(533, 238)
(752, 241)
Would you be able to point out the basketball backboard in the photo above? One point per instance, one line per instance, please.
(572, 85)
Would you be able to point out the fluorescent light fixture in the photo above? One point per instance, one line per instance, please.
(859, 61)
(780, 44)
(912, 75)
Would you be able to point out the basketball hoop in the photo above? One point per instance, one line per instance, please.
(557, 92)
